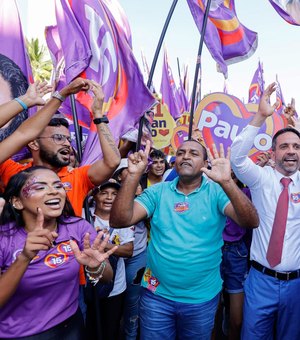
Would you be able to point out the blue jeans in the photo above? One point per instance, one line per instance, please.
(135, 267)
(234, 266)
(271, 302)
(165, 319)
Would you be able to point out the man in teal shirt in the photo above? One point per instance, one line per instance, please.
(182, 278)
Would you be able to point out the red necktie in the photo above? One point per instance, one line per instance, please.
(276, 240)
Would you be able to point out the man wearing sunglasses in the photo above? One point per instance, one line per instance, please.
(53, 150)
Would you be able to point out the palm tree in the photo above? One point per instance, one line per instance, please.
(40, 60)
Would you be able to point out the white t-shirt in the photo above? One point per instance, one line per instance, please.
(117, 237)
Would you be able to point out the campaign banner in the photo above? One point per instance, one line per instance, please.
(221, 117)
(162, 126)
(15, 68)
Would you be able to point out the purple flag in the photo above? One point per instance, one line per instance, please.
(289, 10)
(184, 102)
(15, 69)
(257, 86)
(227, 40)
(94, 48)
(168, 89)
(120, 19)
(279, 98)
(54, 46)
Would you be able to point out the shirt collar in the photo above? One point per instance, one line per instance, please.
(295, 177)
(174, 184)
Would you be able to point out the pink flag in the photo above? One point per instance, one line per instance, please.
(94, 48)
(257, 86)
(225, 37)
(15, 69)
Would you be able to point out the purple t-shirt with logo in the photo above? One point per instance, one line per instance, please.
(48, 291)
(233, 232)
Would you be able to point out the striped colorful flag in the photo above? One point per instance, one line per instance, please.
(227, 40)
(94, 48)
(168, 89)
(15, 69)
(289, 10)
(257, 86)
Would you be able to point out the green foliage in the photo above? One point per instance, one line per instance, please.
(40, 60)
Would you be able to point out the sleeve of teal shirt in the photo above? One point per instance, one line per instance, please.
(223, 199)
(148, 199)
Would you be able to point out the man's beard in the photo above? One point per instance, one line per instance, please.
(52, 159)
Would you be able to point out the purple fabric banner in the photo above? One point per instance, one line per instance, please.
(54, 46)
(257, 86)
(120, 19)
(227, 40)
(168, 89)
(289, 10)
(279, 98)
(93, 48)
(184, 102)
(15, 69)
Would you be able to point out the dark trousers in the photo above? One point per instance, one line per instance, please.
(110, 313)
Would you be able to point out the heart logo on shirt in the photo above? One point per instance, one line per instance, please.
(56, 260)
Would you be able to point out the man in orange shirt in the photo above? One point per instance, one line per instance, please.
(52, 149)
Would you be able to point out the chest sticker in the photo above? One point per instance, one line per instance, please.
(181, 207)
(295, 197)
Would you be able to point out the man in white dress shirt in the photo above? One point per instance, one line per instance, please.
(272, 288)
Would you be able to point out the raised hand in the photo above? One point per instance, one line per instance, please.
(78, 84)
(265, 108)
(290, 112)
(263, 159)
(35, 92)
(220, 165)
(98, 99)
(39, 238)
(295, 123)
(92, 255)
(138, 161)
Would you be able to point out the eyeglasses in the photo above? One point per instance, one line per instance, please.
(58, 138)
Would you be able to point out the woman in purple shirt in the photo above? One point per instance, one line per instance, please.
(42, 245)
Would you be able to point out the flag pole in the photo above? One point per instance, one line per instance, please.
(178, 67)
(198, 63)
(76, 127)
(151, 73)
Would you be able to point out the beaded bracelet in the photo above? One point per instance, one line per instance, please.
(25, 107)
(98, 273)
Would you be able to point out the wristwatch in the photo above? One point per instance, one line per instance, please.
(103, 119)
(58, 96)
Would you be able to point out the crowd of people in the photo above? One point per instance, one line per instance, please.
(163, 250)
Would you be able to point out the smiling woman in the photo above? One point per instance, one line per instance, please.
(42, 246)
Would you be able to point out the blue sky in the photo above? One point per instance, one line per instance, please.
(278, 42)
